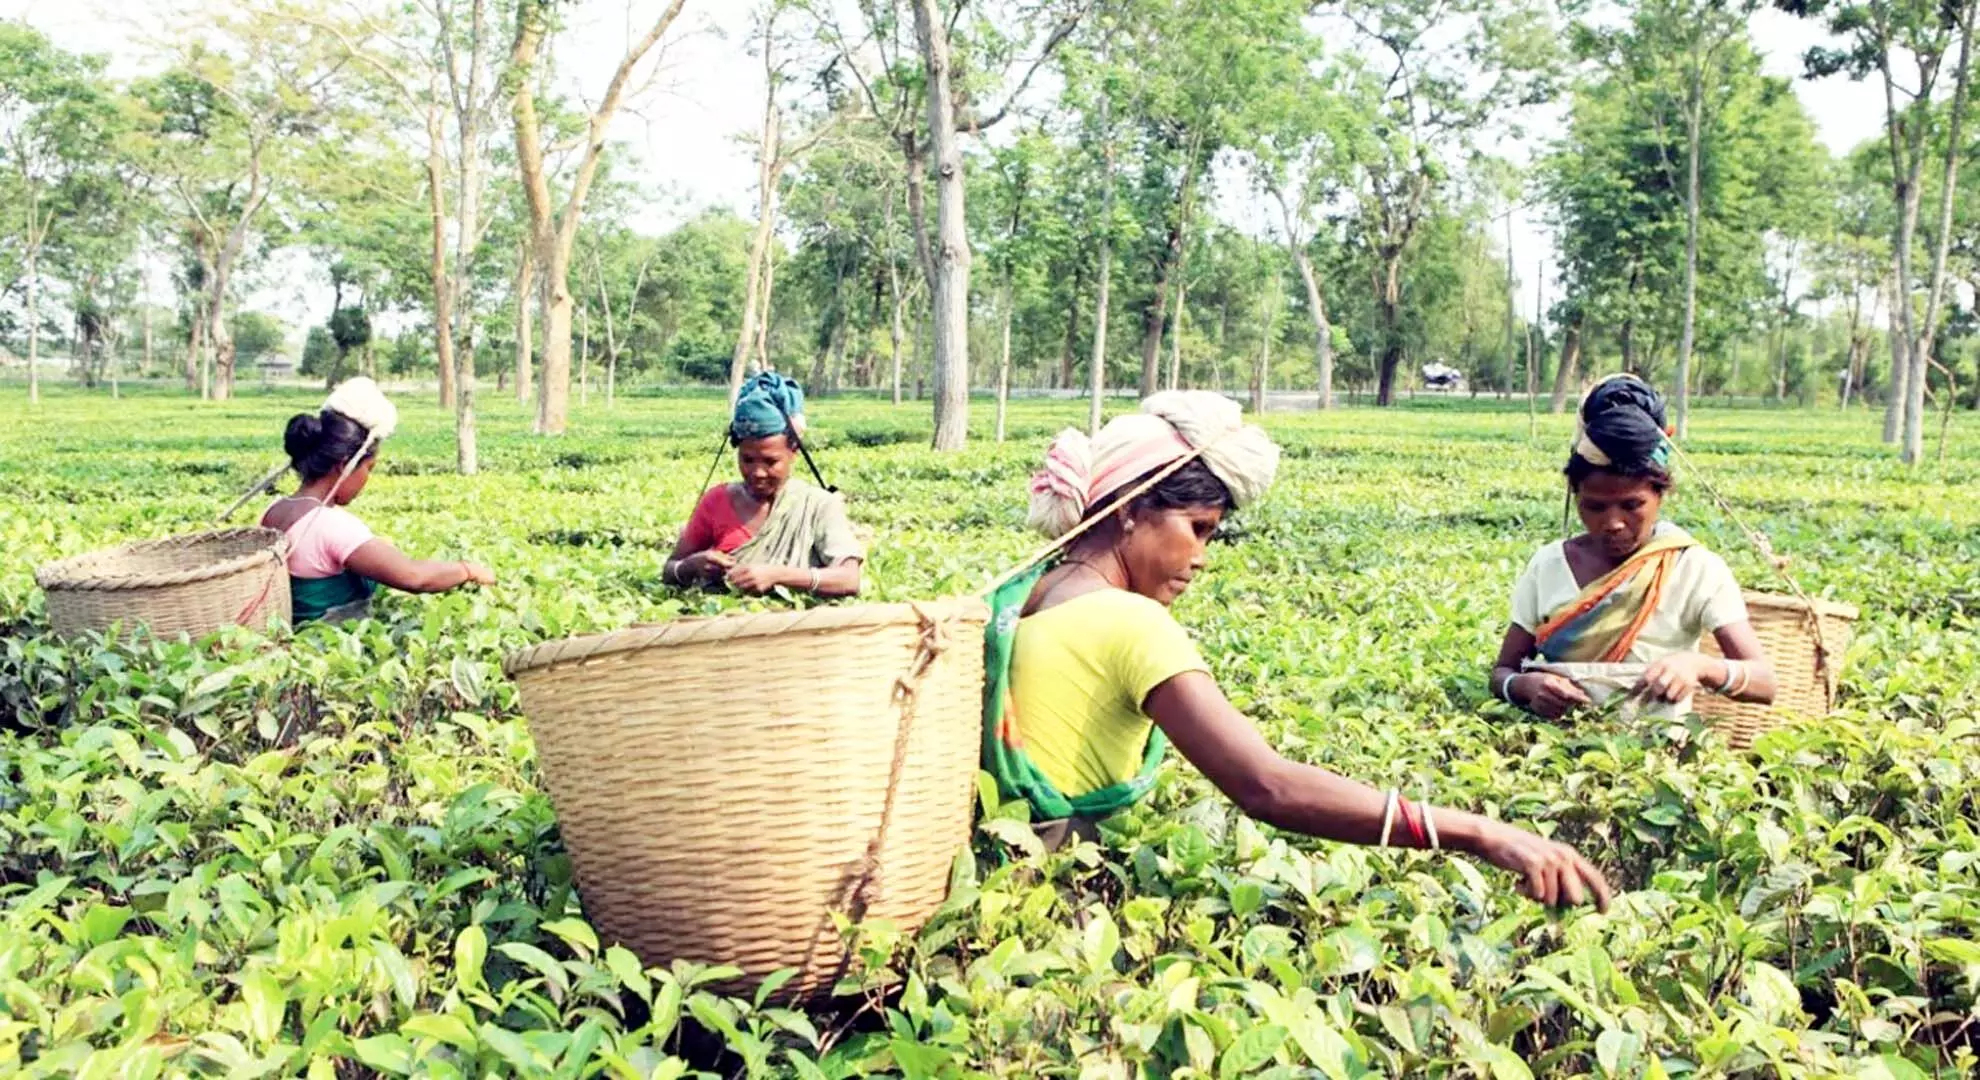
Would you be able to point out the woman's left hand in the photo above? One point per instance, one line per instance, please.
(755, 580)
(1674, 677)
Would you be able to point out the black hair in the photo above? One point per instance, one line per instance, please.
(321, 444)
(1193, 486)
(1580, 469)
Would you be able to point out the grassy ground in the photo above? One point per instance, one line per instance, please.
(185, 887)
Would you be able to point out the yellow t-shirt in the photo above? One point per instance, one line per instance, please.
(1080, 672)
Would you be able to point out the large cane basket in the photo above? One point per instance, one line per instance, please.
(191, 584)
(727, 787)
(1807, 657)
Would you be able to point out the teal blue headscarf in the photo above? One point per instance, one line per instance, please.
(769, 404)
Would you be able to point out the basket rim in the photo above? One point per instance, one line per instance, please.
(82, 573)
(1780, 601)
(737, 625)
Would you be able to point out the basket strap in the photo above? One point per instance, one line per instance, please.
(260, 598)
(1780, 564)
(907, 690)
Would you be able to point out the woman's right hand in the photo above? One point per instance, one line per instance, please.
(704, 566)
(1554, 874)
(477, 573)
(1549, 695)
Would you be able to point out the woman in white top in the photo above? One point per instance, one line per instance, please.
(1623, 606)
(334, 560)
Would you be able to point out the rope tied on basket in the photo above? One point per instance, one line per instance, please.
(906, 692)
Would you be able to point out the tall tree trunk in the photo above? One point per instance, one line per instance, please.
(1004, 359)
(896, 331)
(466, 458)
(611, 329)
(196, 348)
(1071, 348)
(1694, 121)
(1511, 352)
(1564, 372)
(759, 247)
(1921, 355)
(950, 294)
(1155, 317)
(1097, 365)
(1780, 330)
(584, 356)
(1316, 301)
(1906, 164)
(1176, 331)
(1389, 305)
(763, 308)
(1261, 372)
(220, 336)
(553, 402)
(195, 342)
(147, 332)
(1323, 331)
(554, 232)
(1896, 394)
(34, 325)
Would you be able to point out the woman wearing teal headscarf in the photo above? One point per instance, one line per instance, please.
(769, 529)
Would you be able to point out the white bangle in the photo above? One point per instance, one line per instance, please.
(1745, 677)
(1429, 824)
(1732, 673)
(1505, 687)
(1389, 814)
(814, 579)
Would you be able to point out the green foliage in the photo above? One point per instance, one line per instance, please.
(328, 852)
(256, 334)
(320, 355)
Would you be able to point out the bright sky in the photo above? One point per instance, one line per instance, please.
(693, 137)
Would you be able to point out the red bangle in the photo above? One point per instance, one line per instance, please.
(1413, 823)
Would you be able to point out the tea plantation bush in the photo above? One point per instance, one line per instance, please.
(327, 853)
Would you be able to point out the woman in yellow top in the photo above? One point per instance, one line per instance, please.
(1090, 676)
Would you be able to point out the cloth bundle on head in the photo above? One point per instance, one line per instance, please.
(769, 404)
(360, 400)
(1621, 424)
(1081, 473)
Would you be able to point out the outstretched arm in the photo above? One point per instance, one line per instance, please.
(387, 565)
(1219, 740)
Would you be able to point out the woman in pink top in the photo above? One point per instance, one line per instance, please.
(334, 560)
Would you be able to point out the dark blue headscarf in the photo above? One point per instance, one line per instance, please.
(769, 404)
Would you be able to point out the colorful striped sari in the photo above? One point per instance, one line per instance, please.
(1601, 624)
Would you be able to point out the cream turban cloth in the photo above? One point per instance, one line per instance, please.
(359, 399)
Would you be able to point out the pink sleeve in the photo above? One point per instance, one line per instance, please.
(339, 534)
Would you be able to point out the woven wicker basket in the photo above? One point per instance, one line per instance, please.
(1806, 675)
(723, 785)
(192, 584)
